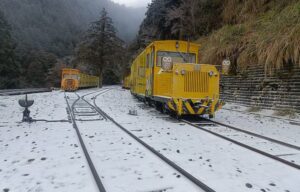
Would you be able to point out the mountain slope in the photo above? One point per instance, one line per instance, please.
(56, 25)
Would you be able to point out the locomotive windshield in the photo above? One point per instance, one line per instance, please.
(177, 57)
(70, 76)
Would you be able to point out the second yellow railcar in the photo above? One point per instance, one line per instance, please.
(166, 73)
(73, 79)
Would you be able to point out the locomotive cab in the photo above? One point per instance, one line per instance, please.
(70, 79)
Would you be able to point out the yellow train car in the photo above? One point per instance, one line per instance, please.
(166, 73)
(126, 82)
(73, 79)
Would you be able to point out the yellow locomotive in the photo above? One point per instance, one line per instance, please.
(166, 73)
(73, 79)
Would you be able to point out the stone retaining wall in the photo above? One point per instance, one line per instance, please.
(280, 91)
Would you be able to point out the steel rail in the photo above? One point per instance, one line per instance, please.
(92, 92)
(95, 106)
(83, 146)
(255, 134)
(23, 91)
(162, 157)
(245, 146)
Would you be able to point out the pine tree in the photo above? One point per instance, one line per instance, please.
(179, 19)
(182, 19)
(37, 68)
(100, 44)
(156, 24)
(9, 68)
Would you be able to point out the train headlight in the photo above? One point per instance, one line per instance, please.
(183, 72)
(167, 63)
(211, 73)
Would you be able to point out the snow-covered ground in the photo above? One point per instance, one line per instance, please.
(46, 156)
(220, 164)
(280, 129)
(40, 157)
(125, 165)
(284, 152)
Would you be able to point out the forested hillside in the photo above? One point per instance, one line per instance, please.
(42, 36)
(45, 35)
(248, 32)
(55, 25)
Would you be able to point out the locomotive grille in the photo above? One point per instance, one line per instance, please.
(196, 81)
(69, 83)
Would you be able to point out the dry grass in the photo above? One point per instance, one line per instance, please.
(240, 11)
(272, 39)
(254, 109)
(278, 40)
(286, 113)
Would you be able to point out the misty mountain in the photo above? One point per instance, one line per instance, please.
(56, 25)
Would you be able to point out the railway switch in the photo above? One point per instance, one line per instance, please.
(26, 104)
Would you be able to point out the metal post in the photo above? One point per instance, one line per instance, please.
(26, 104)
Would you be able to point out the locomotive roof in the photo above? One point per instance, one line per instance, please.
(172, 41)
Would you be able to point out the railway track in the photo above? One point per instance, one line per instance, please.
(6, 92)
(191, 149)
(263, 145)
(275, 149)
(91, 109)
(83, 146)
(291, 121)
(254, 134)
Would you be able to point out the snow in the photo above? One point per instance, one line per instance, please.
(281, 151)
(46, 156)
(280, 129)
(124, 164)
(218, 163)
(40, 156)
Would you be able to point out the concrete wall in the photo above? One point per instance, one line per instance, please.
(253, 88)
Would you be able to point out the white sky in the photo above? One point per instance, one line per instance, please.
(133, 3)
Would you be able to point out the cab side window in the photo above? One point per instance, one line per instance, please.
(151, 59)
(148, 60)
(141, 72)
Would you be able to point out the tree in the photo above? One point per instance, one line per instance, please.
(100, 45)
(54, 74)
(179, 19)
(182, 19)
(37, 67)
(9, 68)
(110, 77)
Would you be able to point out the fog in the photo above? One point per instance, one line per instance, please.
(56, 25)
(133, 3)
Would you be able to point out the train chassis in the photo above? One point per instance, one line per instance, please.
(178, 107)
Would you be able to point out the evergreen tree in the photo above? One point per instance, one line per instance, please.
(9, 68)
(182, 19)
(37, 67)
(100, 45)
(179, 19)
